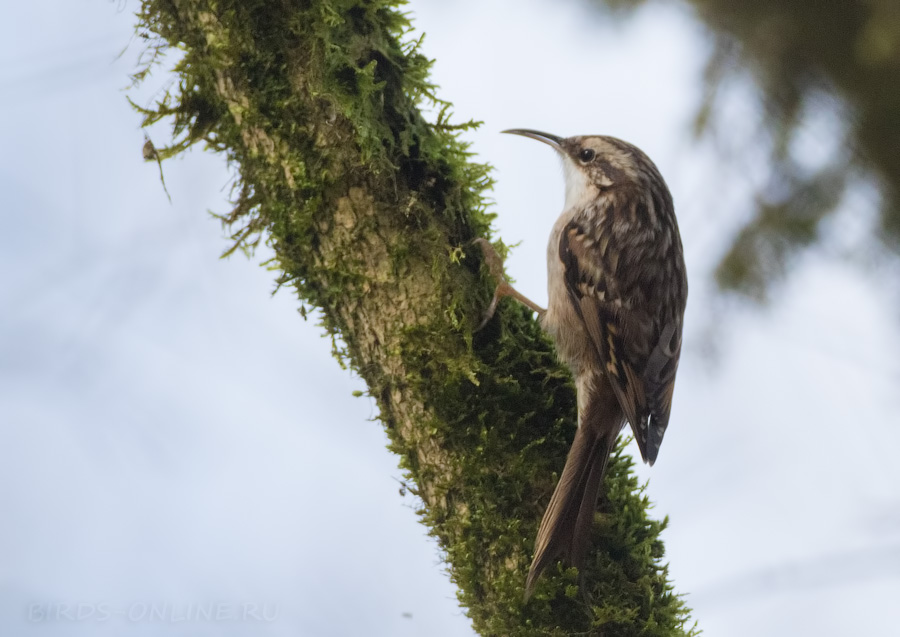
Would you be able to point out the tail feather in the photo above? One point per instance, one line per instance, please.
(565, 529)
(581, 534)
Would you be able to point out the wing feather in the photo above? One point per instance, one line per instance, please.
(639, 356)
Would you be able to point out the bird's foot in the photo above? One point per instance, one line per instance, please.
(495, 265)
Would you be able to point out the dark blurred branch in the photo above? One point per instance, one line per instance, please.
(799, 54)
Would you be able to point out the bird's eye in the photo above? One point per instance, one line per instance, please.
(586, 155)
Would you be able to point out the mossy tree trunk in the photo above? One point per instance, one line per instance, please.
(371, 211)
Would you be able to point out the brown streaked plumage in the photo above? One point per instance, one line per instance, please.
(617, 292)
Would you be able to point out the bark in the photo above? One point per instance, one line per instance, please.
(371, 212)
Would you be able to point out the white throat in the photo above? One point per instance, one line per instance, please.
(579, 191)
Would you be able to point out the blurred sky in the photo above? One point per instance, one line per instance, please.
(173, 437)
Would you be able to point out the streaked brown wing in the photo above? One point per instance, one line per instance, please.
(639, 364)
(659, 385)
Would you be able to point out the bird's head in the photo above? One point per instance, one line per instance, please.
(595, 164)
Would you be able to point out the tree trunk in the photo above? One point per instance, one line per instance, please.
(371, 212)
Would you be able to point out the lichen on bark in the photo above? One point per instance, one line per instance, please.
(370, 211)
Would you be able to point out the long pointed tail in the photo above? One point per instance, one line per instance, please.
(565, 530)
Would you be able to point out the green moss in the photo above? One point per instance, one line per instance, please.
(317, 108)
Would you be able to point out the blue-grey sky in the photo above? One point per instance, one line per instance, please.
(175, 439)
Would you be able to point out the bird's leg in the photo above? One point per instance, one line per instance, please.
(495, 265)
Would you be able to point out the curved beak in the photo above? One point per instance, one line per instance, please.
(547, 138)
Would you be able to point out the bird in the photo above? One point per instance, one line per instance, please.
(617, 291)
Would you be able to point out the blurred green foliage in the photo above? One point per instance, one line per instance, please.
(802, 57)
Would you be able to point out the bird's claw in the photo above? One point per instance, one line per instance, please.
(495, 265)
(492, 259)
